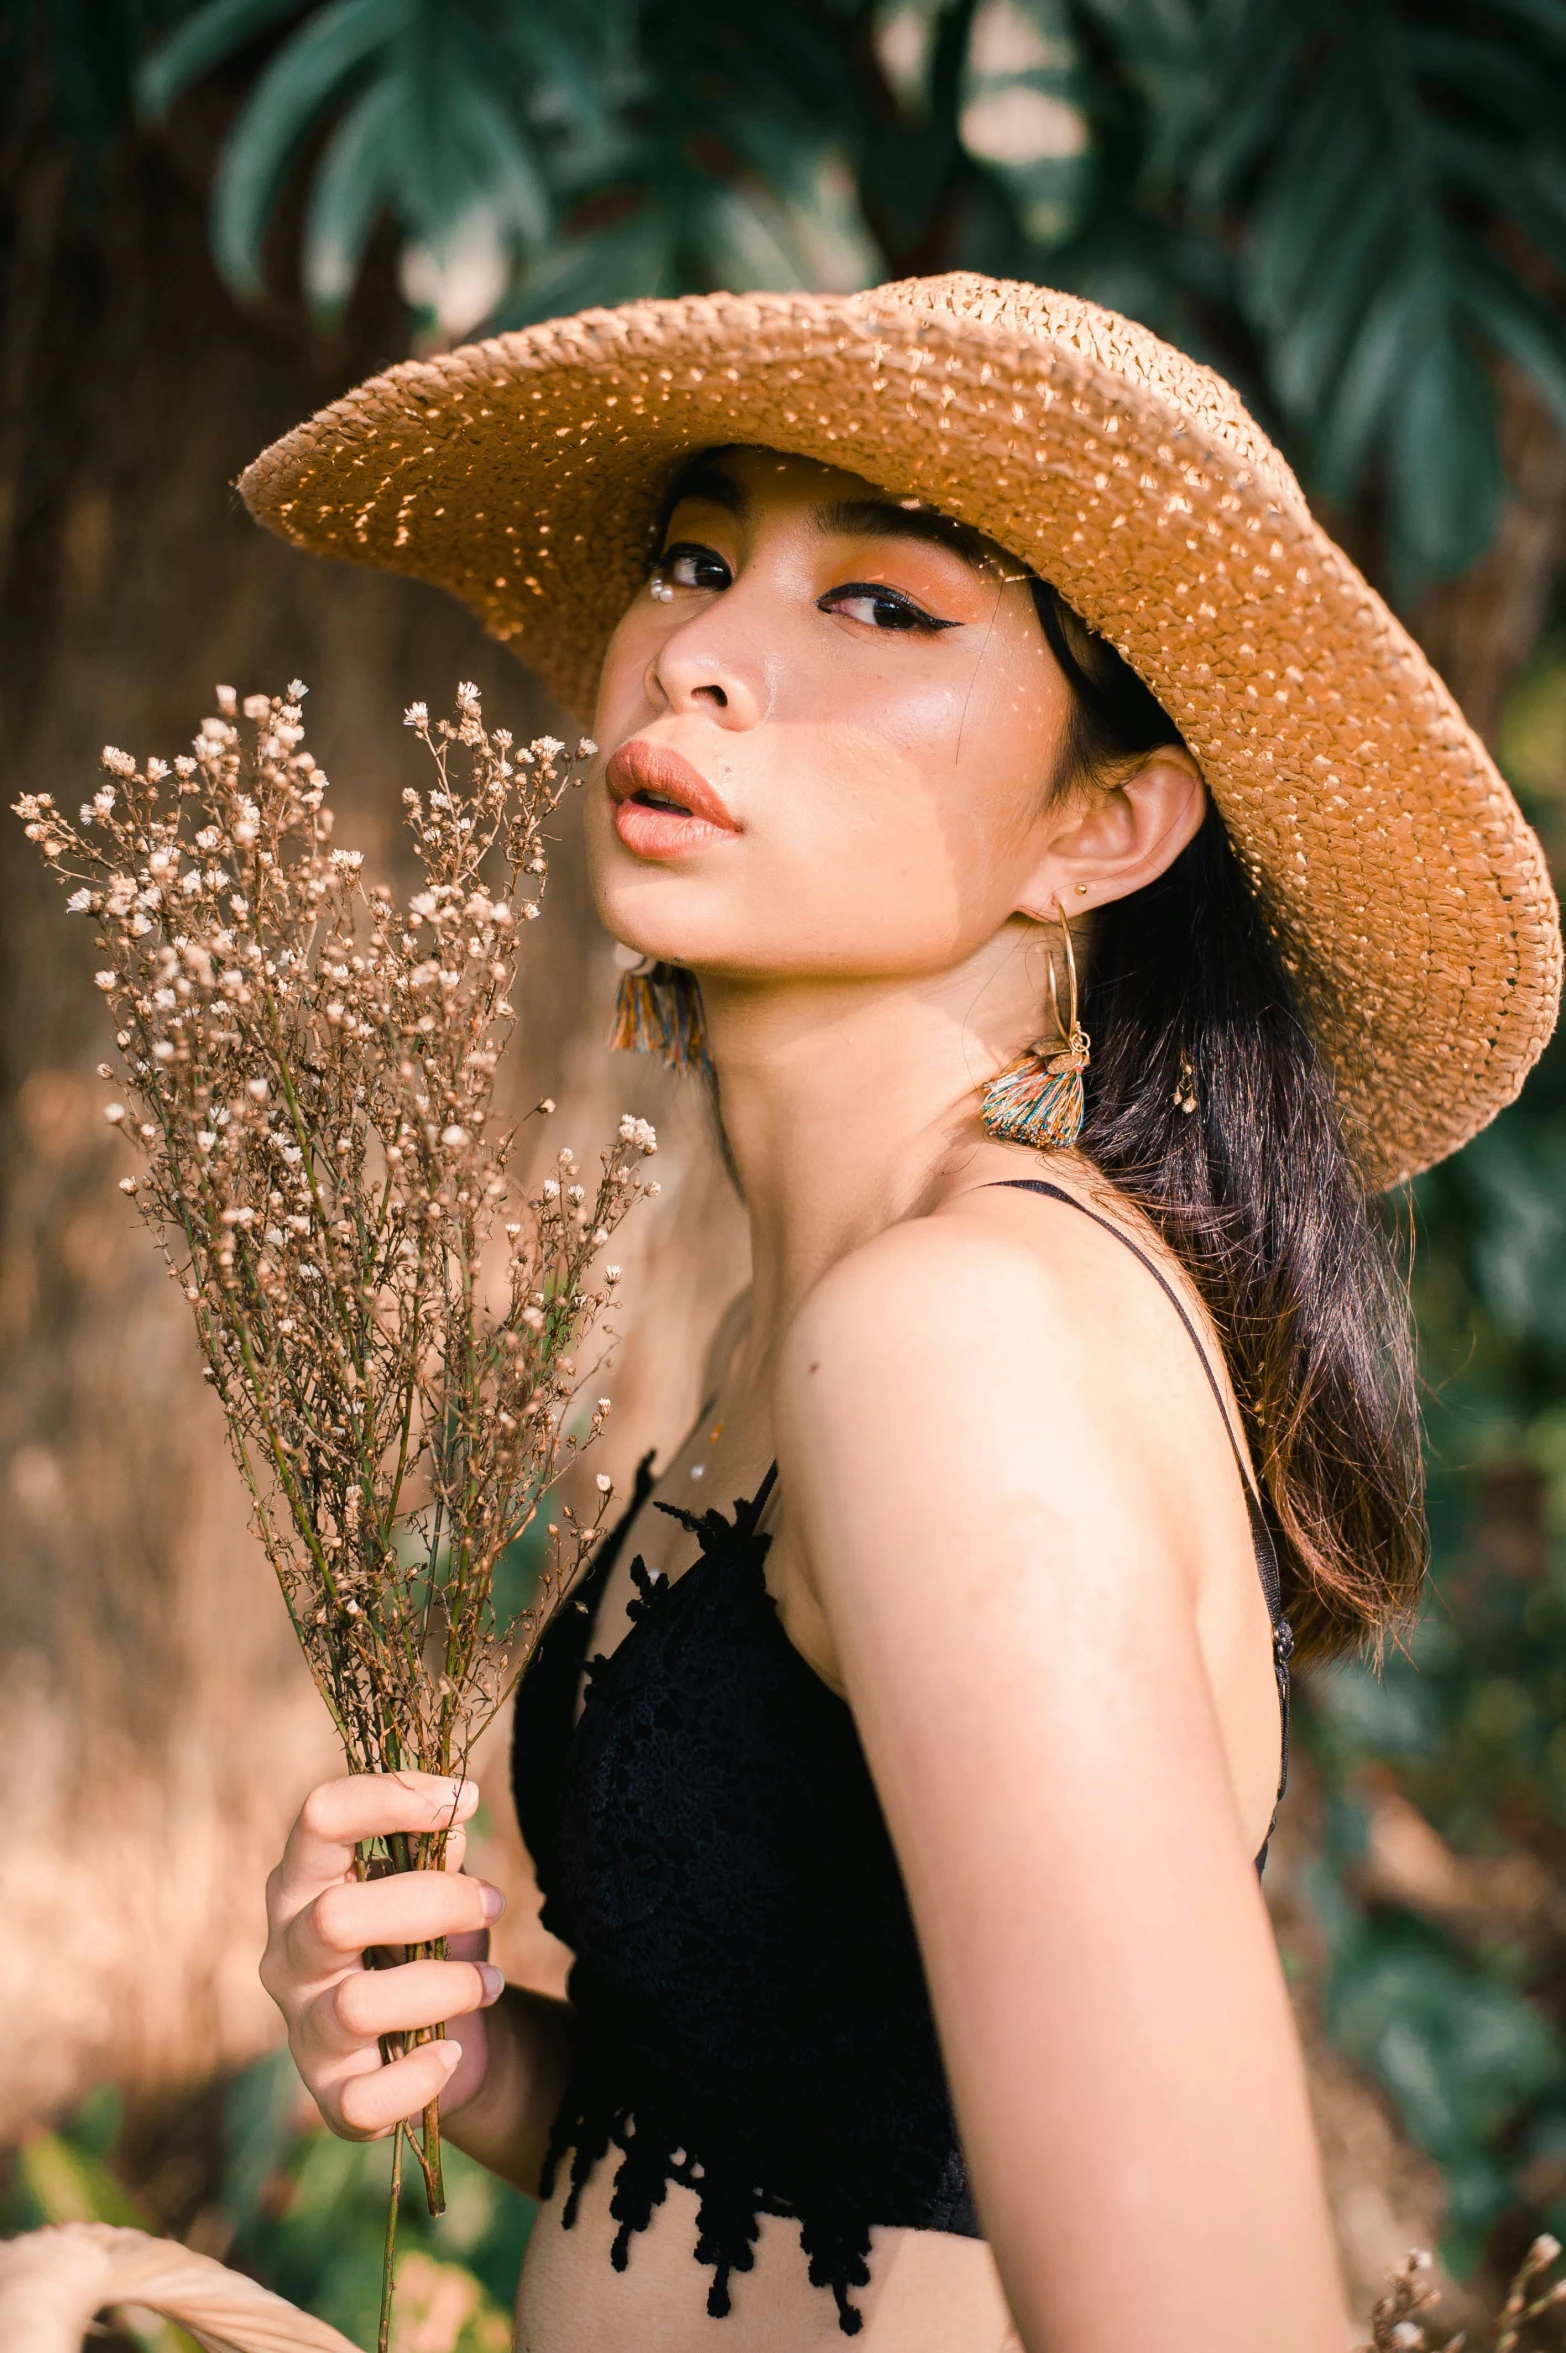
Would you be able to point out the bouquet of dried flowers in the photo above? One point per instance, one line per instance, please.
(309, 1075)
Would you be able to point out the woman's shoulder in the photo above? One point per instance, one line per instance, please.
(1002, 1325)
(992, 1259)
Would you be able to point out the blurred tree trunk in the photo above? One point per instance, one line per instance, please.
(157, 1729)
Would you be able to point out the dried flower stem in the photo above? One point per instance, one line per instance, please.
(309, 1075)
(1401, 2321)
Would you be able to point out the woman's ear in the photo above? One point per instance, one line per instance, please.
(1108, 840)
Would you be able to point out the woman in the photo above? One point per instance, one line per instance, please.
(947, 643)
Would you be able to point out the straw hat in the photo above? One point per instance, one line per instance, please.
(1410, 899)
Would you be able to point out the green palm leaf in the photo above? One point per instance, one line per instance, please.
(312, 71)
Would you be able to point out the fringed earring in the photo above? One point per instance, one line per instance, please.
(1038, 1099)
(658, 1010)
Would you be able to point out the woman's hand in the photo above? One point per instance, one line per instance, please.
(321, 1919)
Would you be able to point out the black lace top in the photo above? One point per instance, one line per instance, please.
(753, 2017)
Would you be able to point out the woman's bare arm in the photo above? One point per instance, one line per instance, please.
(500, 2070)
(996, 1554)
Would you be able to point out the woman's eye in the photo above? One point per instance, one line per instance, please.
(688, 566)
(880, 608)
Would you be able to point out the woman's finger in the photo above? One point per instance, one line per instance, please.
(368, 2003)
(370, 2103)
(338, 1816)
(407, 1907)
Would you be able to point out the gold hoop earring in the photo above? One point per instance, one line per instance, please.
(658, 1010)
(1039, 1098)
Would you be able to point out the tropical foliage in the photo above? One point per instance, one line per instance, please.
(1355, 206)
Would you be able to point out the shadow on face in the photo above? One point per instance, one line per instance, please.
(829, 726)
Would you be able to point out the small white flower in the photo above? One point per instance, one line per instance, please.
(351, 859)
(600, 1235)
(454, 1135)
(612, 1275)
(205, 1139)
(533, 1317)
(257, 706)
(546, 1104)
(103, 980)
(227, 700)
(551, 1189)
(416, 715)
(127, 1184)
(78, 902)
(587, 749)
(297, 690)
(114, 1113)
(639, 1132)
(256, 1089)
(604, 1486)
(118, 763)
(276, 1236)
(162, 1051)
(165, 1000)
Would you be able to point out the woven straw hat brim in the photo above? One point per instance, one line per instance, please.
(1409, 896)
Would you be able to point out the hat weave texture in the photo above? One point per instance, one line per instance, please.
(1410, 898)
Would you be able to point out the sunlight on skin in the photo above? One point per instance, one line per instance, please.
(887, 776)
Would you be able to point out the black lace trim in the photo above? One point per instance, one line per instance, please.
(728, 2218)
(737, 2141)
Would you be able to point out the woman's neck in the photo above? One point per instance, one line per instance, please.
(847, 1104)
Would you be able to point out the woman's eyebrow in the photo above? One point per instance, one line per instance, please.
(716, 487)
(873, 518)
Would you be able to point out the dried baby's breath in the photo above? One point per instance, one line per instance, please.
(309, 1075)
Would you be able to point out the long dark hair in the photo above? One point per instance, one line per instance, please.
(1254, 1191)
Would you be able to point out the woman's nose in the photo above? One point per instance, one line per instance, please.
(696, 670)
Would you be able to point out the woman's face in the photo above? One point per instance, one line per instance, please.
(826, 747)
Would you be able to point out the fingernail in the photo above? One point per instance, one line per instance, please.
(493, 1901)
(467, 1796)
(448, 2054)
(494, 1982)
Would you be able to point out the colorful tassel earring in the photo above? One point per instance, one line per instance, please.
(1038, 1099)
(658, 1010)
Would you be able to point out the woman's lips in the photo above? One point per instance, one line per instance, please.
(662, 806)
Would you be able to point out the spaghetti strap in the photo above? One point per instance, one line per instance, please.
(1262, 1540)
(1059, 1193)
